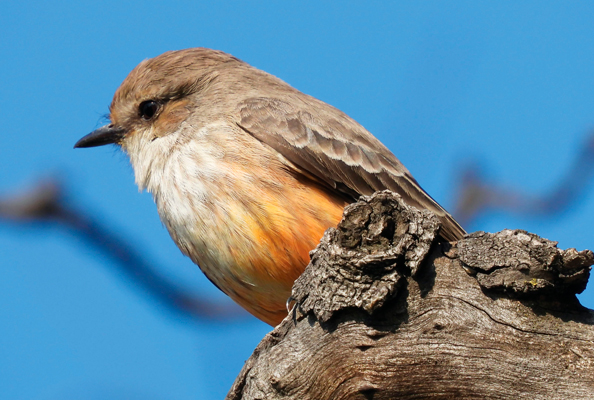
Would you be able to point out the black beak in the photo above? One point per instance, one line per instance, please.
(107, 134)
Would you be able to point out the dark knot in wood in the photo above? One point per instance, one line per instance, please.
(361, 263)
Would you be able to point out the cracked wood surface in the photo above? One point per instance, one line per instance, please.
(385, 311)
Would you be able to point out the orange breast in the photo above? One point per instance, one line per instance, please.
(245, 216)
(285, 223)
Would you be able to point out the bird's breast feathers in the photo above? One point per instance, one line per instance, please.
(233, 207)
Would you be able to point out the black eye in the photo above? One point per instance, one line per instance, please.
(148, 109)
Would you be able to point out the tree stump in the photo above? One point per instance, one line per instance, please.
(387, 309)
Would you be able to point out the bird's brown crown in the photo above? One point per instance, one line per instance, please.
(169, 76)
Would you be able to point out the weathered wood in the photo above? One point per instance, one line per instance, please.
(387, 310)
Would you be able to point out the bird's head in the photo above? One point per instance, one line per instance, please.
(160, 94)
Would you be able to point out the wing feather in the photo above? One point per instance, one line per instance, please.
(335, 150)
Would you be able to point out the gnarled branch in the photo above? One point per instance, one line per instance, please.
(386, 310)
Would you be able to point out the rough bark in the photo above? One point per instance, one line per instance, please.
(388, 310)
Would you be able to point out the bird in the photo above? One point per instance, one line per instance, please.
(247, 172)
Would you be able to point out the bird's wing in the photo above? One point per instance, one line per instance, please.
(336, 150)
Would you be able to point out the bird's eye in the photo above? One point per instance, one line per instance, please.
(148, 109)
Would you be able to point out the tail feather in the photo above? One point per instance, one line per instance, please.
(450, 229)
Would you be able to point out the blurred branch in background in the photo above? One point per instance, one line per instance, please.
(476, 196)
(45, 203)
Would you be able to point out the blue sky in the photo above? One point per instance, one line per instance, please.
(508, 83)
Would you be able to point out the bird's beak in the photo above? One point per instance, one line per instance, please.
(105, 135)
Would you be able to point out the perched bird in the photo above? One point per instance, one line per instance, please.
(247, 172)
